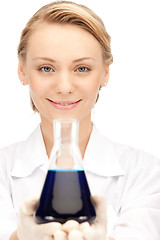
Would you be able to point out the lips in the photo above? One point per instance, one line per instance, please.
(64, 105)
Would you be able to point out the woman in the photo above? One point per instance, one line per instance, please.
(64, 57)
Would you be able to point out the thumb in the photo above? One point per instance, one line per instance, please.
(29, 205)
(100, 203)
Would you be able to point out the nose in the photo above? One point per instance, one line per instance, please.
(64, 84)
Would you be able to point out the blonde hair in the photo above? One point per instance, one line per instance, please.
(70, 13)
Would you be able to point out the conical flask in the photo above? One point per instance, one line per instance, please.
(65, 194)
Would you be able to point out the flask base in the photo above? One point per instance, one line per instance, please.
(65, 196)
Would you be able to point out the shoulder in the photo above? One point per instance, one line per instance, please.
(129, 158)
(7, 160)
(13, 156)
(138, 158)
(10, 154)
(140, 175)
(7, 154)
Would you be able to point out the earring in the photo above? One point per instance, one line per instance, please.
(22, 82)
(105, 84)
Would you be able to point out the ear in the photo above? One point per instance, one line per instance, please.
(105, 77)
(22, 74)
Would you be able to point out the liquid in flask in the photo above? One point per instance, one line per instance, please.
(65, 194)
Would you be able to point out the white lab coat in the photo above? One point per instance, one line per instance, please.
(129, 178)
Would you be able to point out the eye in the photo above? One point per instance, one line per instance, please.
(46, 69)
(83, 69)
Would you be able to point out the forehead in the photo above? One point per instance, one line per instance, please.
(60, 38)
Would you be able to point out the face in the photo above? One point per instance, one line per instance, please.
(64, 68)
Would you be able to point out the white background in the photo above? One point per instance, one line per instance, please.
(128, 110)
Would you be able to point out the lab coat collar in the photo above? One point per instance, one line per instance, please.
(100, 156)
(30, 155)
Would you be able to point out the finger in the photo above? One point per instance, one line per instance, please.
(84, 225)
(60, 235)
(88, 233)
(39, 230)
(93, 234)
(48, 238)
(101, 208)
(47, 228)
(70, 225)
(75, 234)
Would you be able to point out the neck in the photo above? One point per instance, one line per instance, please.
(85, 129)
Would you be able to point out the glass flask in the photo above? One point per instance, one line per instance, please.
(65, 194)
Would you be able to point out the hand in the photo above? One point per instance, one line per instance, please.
(71, 230)
(85, 231)
(28, 229)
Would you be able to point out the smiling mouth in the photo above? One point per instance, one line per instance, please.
(64, 105)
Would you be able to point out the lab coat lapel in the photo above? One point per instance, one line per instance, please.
(30, 155)
(100, 157)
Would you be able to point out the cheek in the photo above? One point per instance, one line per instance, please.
(92, 88)
(37, 85)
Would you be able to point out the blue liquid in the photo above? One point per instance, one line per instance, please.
(65, 196)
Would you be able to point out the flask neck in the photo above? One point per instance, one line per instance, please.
(65, 131)
(65, 153)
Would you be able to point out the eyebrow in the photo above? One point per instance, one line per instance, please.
(83, 59)
(74, 61)
(44, 58)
